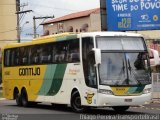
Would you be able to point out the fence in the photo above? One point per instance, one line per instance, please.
(156, 86)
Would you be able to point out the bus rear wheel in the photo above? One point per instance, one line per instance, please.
(120, 108)
(18, 99)
(76, 102)
(24, 98)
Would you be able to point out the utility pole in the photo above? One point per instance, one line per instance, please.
(103, 13)
(34, 23)
(18, 25)
(18, 12)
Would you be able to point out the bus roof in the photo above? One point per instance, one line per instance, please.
(129, 34)
(44, 39)
(65, 36)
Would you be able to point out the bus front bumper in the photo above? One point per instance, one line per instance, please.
(111, 100)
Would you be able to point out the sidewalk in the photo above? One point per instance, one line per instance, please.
(156, 97)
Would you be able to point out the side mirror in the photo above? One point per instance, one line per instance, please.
(156, 56)
(97, 53)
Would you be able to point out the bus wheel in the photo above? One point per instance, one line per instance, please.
(120, 108)
(18, 99)
(24, 98)
(76, 102)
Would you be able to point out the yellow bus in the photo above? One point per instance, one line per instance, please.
(96, 69)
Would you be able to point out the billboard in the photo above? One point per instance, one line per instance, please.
(123, 15)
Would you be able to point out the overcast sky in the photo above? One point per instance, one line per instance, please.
(51, 7)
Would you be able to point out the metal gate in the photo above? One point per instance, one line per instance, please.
(156, 86)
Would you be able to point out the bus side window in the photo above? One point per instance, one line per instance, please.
(34, 57)
(17, 56)
(54, 53)
(60, 52)
(45, 54)
(73, 51)
(7, 58)
(12, 57)
(23, 58)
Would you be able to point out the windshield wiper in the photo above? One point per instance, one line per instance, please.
(133, 72)
(123, 68)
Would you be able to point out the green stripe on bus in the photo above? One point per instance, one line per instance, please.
(139, 89)
(134, 90)
(62, 38)
(57, 80)
(47, 82)
(131, 90)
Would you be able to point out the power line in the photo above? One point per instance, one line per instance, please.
(7, 15)
(22, 16)
(27, 29)
(8, 31)
(34, 22)
(53, 7)
(21, 12)
(7, 4)
(7, 40)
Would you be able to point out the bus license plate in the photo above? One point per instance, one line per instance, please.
(128, 100)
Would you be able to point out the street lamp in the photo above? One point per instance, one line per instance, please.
(21, 28)
(25, 23)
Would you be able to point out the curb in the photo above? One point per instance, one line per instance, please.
(2, 99)
(144, 107)
(155, 101)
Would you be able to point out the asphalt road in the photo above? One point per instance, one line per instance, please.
(9, 109)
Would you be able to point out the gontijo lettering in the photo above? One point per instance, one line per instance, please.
(29, 71)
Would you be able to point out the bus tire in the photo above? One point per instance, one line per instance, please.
(17, 97)
(76, 102)
(24, 98)
(120, 108)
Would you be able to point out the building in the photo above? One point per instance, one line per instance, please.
(8, 22)
(88, 20)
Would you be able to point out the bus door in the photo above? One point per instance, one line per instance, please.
(90, 91)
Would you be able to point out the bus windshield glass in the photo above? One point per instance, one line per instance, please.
(120, 43)
(123, 65)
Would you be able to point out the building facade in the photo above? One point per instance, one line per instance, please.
(8, 22)
(88, 20)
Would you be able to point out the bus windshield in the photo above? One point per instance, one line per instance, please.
(122, 66)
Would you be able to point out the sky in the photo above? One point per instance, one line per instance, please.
(43, 8)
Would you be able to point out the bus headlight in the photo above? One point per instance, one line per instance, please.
(104, 91)
(147, 90)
